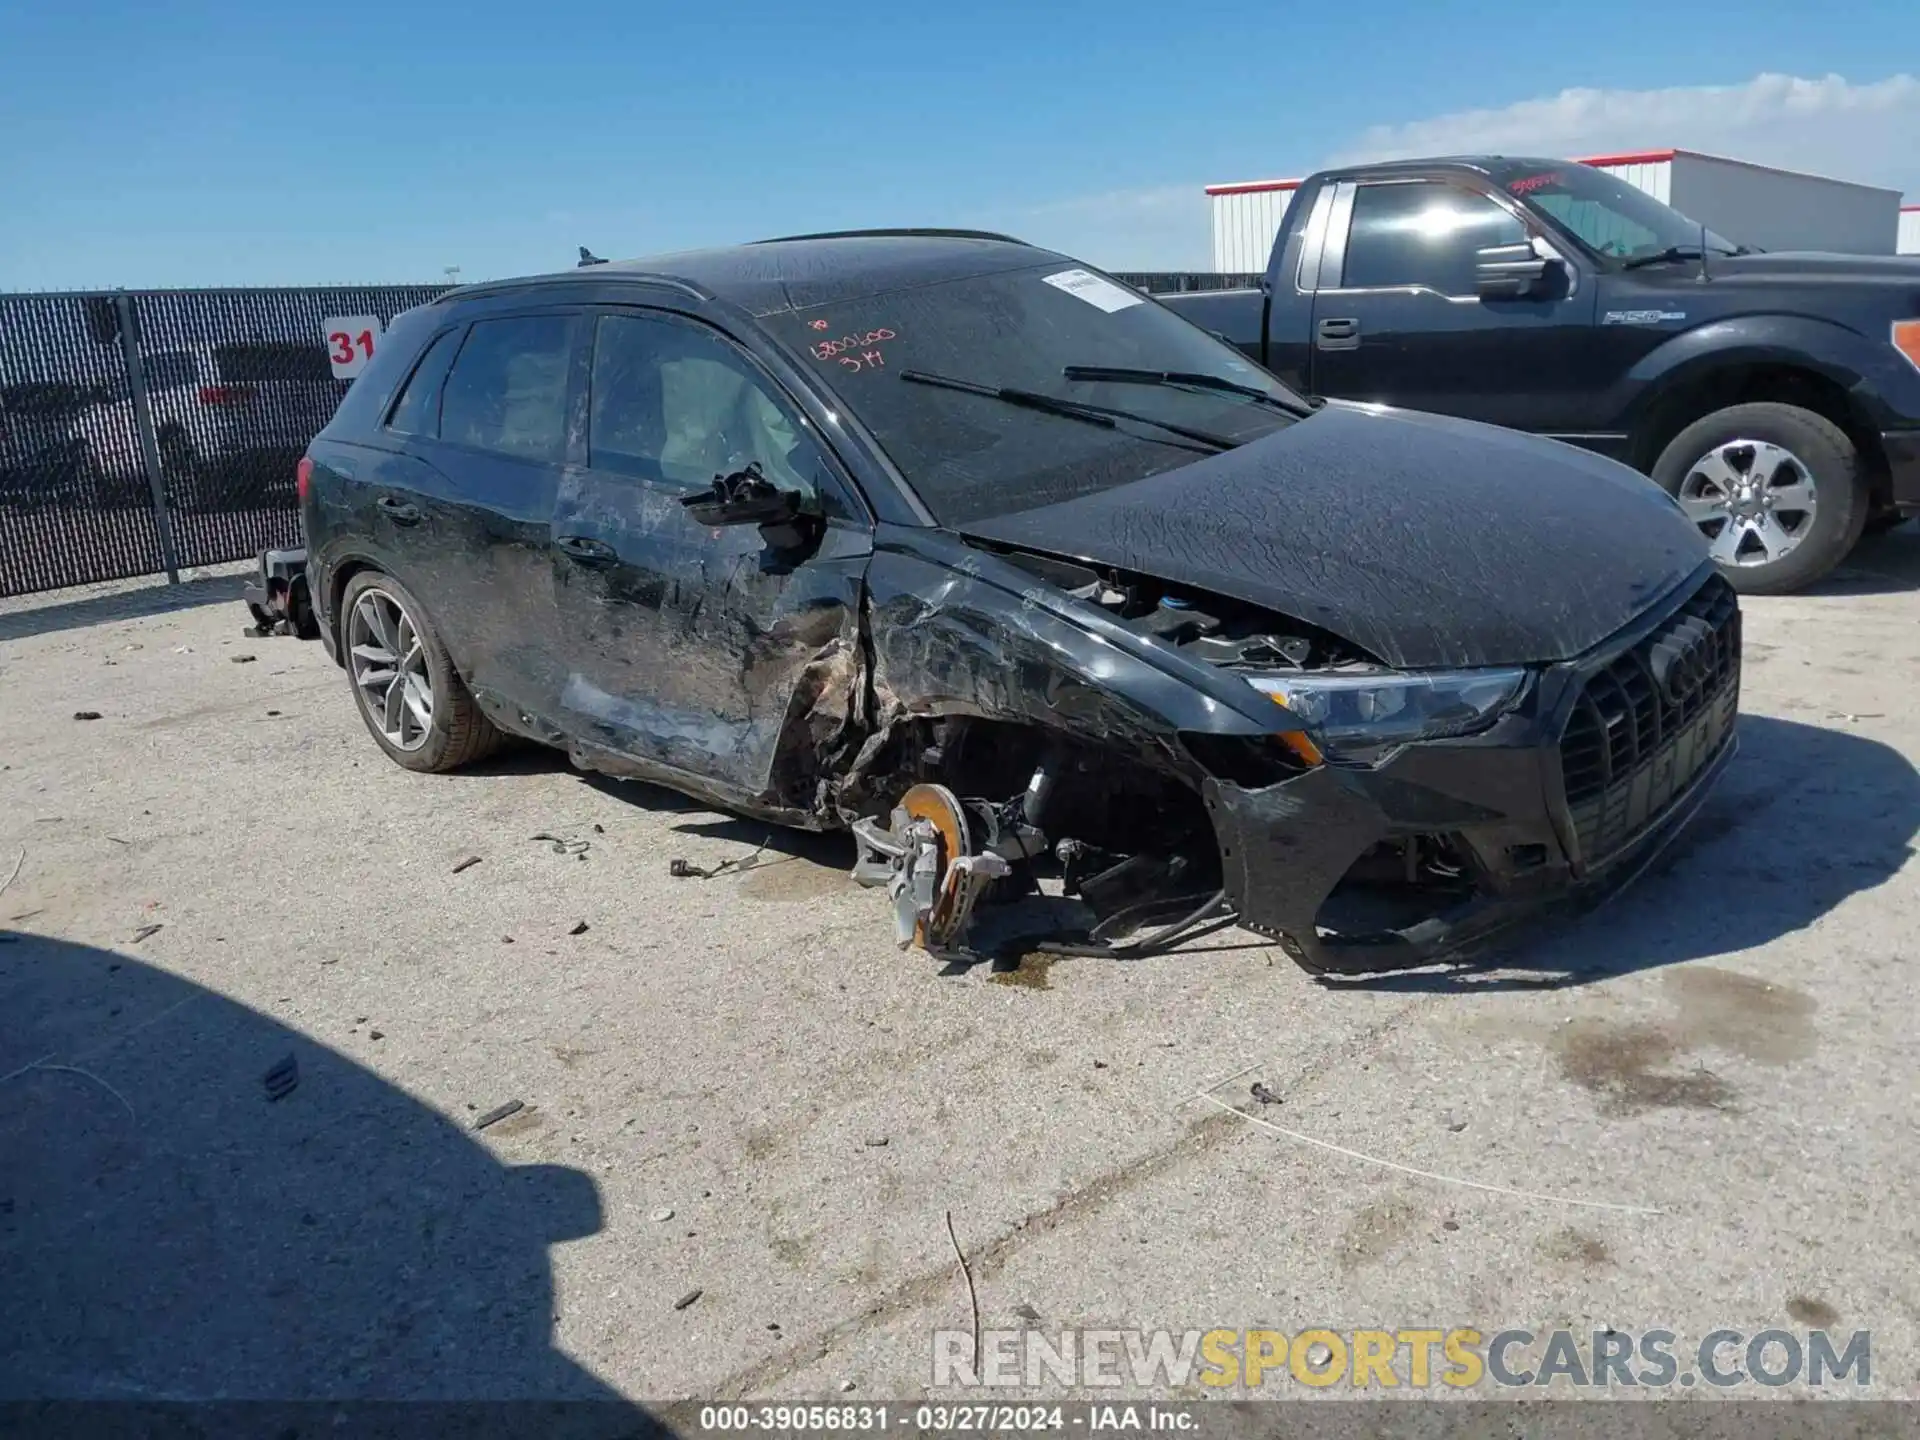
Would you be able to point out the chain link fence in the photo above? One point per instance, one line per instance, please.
(1174, 282)
(149, 431)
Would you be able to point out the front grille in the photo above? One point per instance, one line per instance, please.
(1651, 721)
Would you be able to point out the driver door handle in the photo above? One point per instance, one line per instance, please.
(586, 549)
(1338, 334)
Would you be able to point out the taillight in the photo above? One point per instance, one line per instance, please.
(225, 394)
(303, 479)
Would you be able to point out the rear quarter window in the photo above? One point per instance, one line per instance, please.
(417, 411)
(255, 364)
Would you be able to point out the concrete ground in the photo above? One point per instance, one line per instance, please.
(737, 1090)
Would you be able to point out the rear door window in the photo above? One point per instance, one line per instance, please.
(254, 364)
(170, 370)
(507, 391)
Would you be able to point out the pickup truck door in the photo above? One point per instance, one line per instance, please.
(1397, 317)
(688, 649)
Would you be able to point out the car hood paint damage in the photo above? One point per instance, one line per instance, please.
(1424, 540)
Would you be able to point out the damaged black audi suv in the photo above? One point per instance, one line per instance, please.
(1053, 599)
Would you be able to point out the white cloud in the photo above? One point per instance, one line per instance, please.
(1830, 126)
(1163, 227)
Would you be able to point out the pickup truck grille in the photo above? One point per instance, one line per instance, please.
(1651, 721)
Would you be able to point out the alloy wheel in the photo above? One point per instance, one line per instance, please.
(390, 669)
(1754, 500)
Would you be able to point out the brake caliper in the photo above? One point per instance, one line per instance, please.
(927, 860)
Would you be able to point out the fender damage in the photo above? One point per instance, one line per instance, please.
(1170, 770)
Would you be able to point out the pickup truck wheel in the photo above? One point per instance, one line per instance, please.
(416, 706)
(1776, 490)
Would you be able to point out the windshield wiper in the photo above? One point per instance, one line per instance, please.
(1195, 379)
(1672, 254)
(1073, 409)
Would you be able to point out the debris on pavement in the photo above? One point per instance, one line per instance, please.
(579, 928)
(662, 1215)
(563, 846)
(376, 1035)
(687, 1299)
(876, 1141)
(1261, 1093)
(14, 874)
(86, 714)
(241, 659)
(465, 862)
(684, 869)
(1027, 1312)
(973, 1296)
(499, 1113)
(146, 930)
(281, 1079)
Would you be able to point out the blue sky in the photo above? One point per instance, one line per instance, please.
(313, 141)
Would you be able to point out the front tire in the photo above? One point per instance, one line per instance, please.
(413, 701)
(1777, 491)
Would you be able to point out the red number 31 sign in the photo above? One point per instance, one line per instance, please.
(350, 343)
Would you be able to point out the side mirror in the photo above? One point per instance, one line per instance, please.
(1513, 272)
(747, 497)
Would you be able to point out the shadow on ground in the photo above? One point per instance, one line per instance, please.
(127, 605)
(170, 1233)
(1886, 564)
(1805, 818)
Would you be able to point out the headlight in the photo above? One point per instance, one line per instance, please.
(1344, 714)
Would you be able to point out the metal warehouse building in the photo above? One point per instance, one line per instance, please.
(1749, 204)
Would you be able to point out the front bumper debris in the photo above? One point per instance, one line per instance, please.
(1558, 806)
(278, 598)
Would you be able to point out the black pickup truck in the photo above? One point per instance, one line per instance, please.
(1775, 396)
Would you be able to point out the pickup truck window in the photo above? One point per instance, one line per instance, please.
(1422, 232)
(971, 455)
(1606, 214)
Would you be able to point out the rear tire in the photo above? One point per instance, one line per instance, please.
(414, 703)
(1777, 490)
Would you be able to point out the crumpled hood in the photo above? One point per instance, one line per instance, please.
(1425, 540)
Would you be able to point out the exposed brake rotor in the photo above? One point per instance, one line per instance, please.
(927, 861)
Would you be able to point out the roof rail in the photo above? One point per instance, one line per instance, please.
(904, 230)
(484, 288)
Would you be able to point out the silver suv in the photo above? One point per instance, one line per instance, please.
(231, 420)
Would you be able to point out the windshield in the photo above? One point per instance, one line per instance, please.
(972, 455)
(1611, 216)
